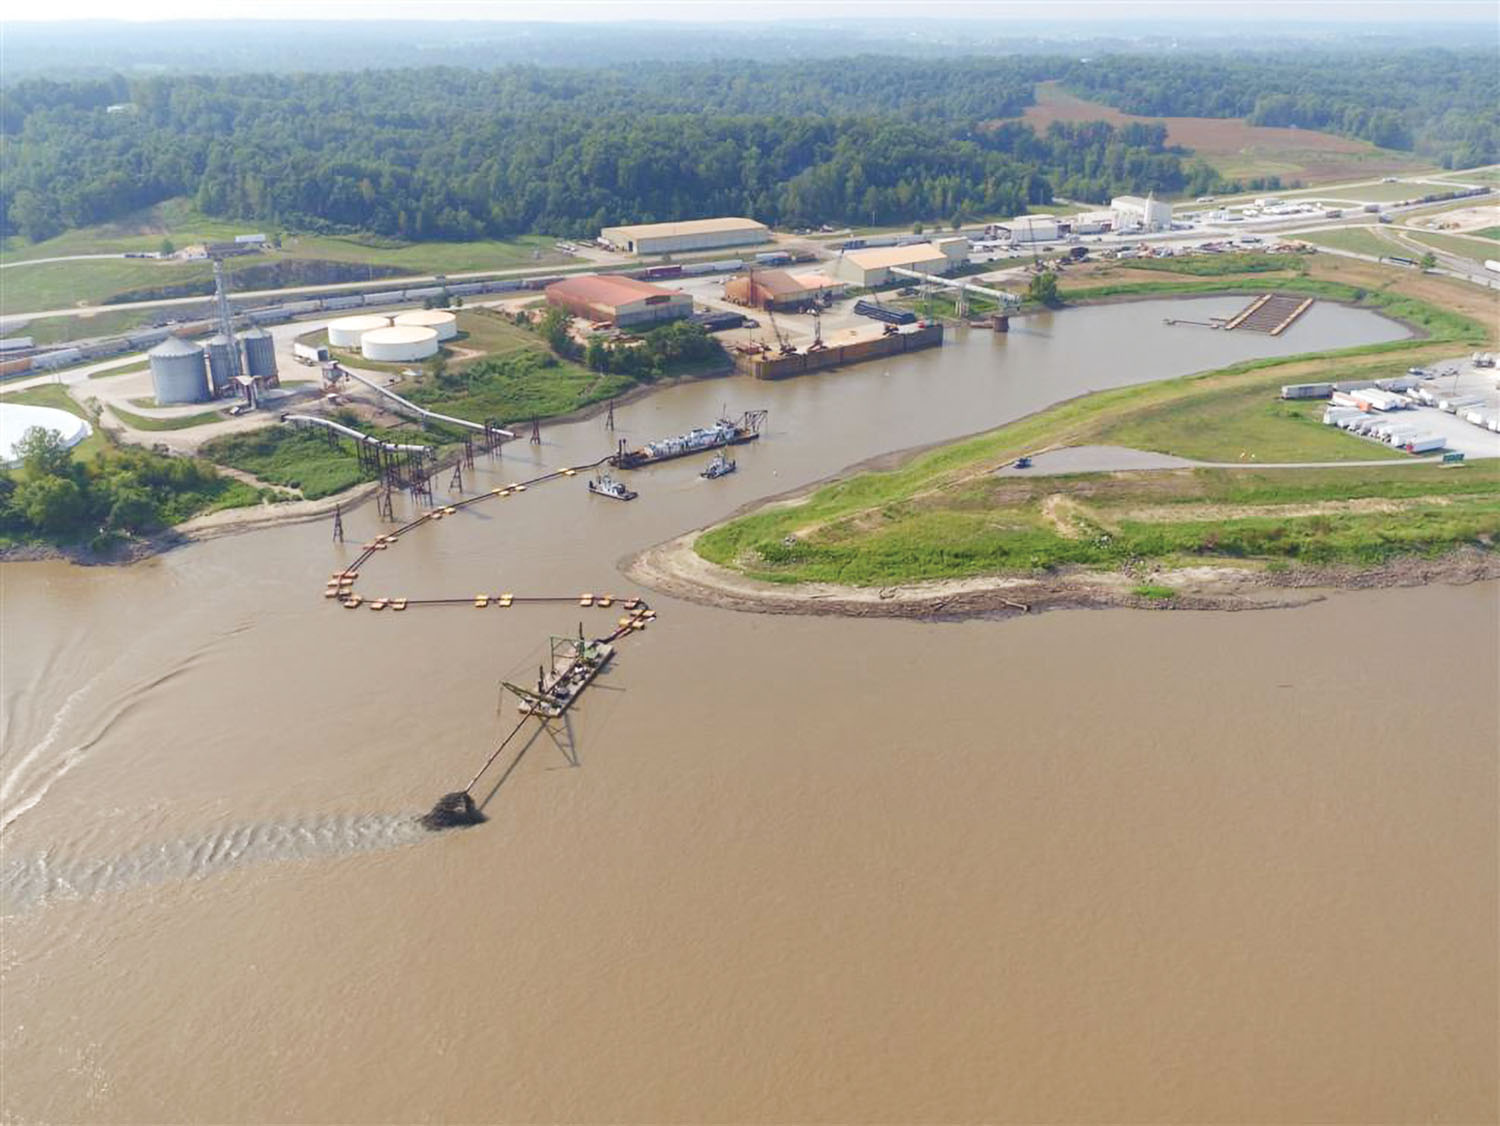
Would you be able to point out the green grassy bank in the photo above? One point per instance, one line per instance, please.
(945, 514)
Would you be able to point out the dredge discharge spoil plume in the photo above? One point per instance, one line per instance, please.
(458, 807)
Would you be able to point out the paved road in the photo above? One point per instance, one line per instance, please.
(64, 258)
(1118, 459)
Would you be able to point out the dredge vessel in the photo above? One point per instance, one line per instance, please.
(575, 662)
(725, 432)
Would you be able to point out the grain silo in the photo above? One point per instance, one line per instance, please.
(400, 344)
(219, 353)
(346, 331)
(442, 322)
(179, 372)
(260, 353)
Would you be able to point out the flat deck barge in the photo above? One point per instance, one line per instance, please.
(776, 365)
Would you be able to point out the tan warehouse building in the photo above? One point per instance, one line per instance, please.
(623, 302)
(873, 267)
(780, 289)
(691, 234)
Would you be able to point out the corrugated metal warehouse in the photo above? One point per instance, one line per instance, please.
(620, 301)
(873, 267)
(779, 289)
(691, 234)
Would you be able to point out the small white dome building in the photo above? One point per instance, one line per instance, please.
(400, 344)
(17, 418)
(347, 331)
(442, 322)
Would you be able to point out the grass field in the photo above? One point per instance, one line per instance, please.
(57, 285)
(128, 369)
(58, 330)
(177, 422)
(1492, 233)
(1219, 265)
(296, 459)
(51, 395)
(1238, 150)
(1474, 176)
(945, 513)
(1367, 193)
(1359, 240)
(1477, 249)
(515, 388)
(489, 334)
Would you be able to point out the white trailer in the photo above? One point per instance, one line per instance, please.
(309, 353)
(1457, 403)
(1426, 444)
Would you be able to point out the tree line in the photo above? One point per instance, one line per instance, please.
(455, 154)
(124, 491)
(1444, 104)
(461, 154)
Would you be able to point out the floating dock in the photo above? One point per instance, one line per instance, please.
(774, 365)
(1270, 313)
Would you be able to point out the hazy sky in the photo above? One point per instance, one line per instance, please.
(1196, 12)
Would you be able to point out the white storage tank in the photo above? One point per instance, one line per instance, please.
(400, 344)
(179, 372)
(442, 322)
(347, 331)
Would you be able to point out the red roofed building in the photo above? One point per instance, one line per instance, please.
(620, 301)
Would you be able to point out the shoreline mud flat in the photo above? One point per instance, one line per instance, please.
(676, 569)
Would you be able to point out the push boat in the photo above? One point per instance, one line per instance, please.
(725, 432)
(606, 486)
(720, 466)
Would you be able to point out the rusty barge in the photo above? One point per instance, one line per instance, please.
(765, 364)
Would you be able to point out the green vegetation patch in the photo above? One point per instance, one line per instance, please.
(946, 514)
(1247, 424)
(1032, 525)
(532, 383)
(56, 497)
(299, 459)
(1216, 265)
(1154, 592)
(1471, 248)
(60, 330)
(176, 422)
(1356, 240)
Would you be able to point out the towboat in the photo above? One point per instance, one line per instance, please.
(720, 466)
(606, 486)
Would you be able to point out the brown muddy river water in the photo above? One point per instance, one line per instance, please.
(1083, 867)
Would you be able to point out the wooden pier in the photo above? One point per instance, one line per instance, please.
(1270, 313)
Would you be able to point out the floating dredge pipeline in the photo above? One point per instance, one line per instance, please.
(575, 663)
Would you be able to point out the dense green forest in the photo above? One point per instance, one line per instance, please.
(1442, 104)
(458, 154)
(124, 491)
